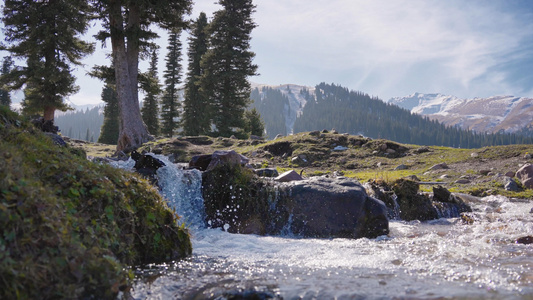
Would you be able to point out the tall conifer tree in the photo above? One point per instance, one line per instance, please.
(110, 129)
(150, 109)
(170, 102)
(5, 97)
(228, 64)
(196, 118)
(45, 34)
(127, 25)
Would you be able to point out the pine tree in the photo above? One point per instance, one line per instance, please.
(196, 118)
(170, 101)
(110, 129)
(150, 109)
(5, 97)
(45, 33)
(254, 124)
(227, 65)
(127, 24)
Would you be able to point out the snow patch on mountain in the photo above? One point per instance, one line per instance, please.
(492, 114)
(296, 100)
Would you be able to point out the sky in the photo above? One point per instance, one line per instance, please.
(385, 48)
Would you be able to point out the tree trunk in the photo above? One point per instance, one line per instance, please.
(132, 130)
(49, 112)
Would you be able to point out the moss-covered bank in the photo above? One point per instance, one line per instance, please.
(69, 227)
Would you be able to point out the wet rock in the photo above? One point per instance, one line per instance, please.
(146, 165)
(240, 202)
(335, 207)
(467, 219)
(441, 194)
(267, 172)
(413, 206)
(380, 190)
(200, 162)
(526, 240)
(447, 204)
(525, 175)
(288, 176)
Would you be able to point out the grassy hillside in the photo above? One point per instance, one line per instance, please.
(68, 227)
(363, 158)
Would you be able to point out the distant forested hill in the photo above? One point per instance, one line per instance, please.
(333, 106)
(81, 124)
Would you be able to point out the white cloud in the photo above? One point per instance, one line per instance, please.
(463, 40)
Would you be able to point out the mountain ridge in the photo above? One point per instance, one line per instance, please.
(505, 113)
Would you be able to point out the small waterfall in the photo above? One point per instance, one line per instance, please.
(181, 188)
(183, 191)
(394, 212)
(287, 229)
(446, 210)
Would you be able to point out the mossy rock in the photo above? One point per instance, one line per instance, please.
(69, 227)
(413, 206)
(234, 196)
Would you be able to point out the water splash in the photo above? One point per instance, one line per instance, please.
(183, 191)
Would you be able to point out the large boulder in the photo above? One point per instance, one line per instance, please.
(525, 175)
(240, 202)
(334, 207)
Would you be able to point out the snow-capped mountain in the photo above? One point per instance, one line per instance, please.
(493, 114)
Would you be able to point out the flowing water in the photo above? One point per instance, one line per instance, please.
(442, 259)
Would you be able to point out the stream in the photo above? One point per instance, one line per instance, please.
(440, 259)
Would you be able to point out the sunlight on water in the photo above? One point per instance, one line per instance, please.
(444, 258)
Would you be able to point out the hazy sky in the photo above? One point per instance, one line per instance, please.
(386, 48)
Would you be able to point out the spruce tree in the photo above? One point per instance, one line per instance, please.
(5, 97)
(170, 102)
(45, 34)
(110, 129)
(150, 109)
(127, 24)
(196, 117)
(254, 124)
(227, 65)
